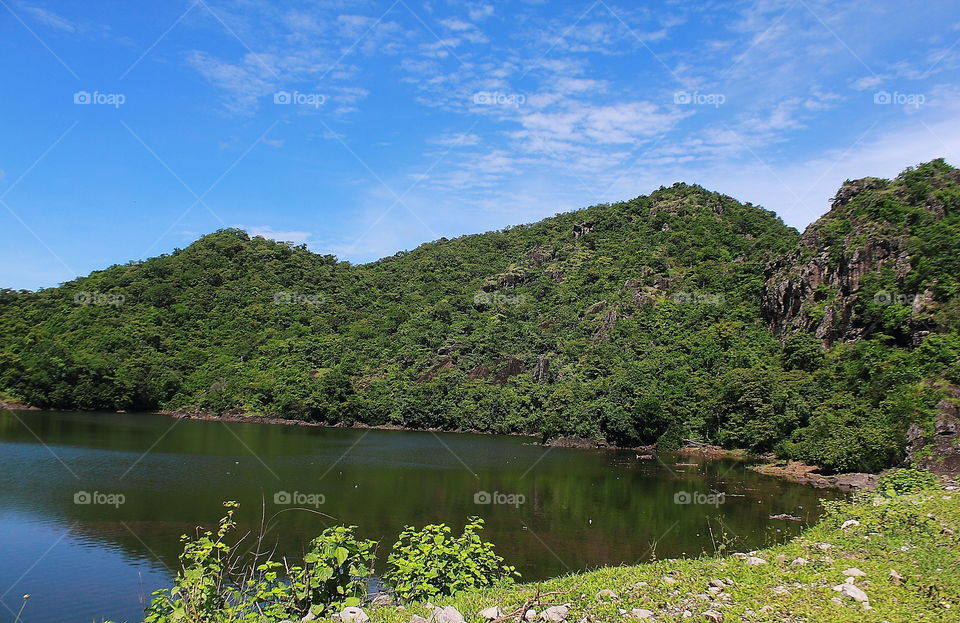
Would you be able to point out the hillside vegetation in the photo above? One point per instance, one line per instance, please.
(679, 315)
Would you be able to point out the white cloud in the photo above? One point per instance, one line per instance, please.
(281, 235)
(51, 19)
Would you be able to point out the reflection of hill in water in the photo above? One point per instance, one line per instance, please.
(581, 509)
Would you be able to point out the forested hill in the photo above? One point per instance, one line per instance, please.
(683, 314)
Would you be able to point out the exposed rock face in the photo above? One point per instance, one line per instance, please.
(542, 371)
(816, 287)
(511, 366)
(939, 450)
(581, 229)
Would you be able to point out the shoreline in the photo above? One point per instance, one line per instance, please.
(792, 471)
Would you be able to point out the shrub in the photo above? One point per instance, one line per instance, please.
(907, 481)
(216, 584)
(429, 562)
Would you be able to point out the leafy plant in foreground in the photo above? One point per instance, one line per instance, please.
(430, 562)
(216, 584)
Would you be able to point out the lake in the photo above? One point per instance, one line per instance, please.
(92, 505)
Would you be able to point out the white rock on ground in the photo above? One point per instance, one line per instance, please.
(491, 613)
(641, 613)
(555, 614)
(753, 561)
(853, 572)
(853, 592)
(849, 524)
(447, 614)
(353, 615)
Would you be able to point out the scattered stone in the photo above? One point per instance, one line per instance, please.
(606, 594)
(491, 613)
(713, 615)
(717, 583)
(309, 616)
(853, 572)
(555, 614)
(849, 524)
(668, 580)
(530, 615)
(417, 619)
(739, 555)
(781, 559)
(713, 589)
(798, 562)
(823, 546)
(352, 614)
(895, 577)
(753, 561)
(381, 601)
(847, 589)
(641, 613)
(687, 614)
(447, 614)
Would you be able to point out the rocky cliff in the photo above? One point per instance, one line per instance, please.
(854, 273)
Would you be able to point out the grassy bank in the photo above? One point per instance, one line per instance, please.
(913, 536)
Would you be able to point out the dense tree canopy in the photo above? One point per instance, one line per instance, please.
(637, 322)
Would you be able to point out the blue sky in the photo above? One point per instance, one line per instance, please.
(363, 128)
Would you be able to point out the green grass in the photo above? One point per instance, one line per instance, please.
(915, 535)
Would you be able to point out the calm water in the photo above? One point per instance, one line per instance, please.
(83, 562)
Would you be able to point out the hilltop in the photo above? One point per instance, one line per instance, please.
(680, 315)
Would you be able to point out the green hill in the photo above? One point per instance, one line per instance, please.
(683, 314)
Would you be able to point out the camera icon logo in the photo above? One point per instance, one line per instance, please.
(282, 497)
(282, 97)
(682, 97)
(882, 97)
(82, 497)
(682, 497)
(482, 497)
(81, 97)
